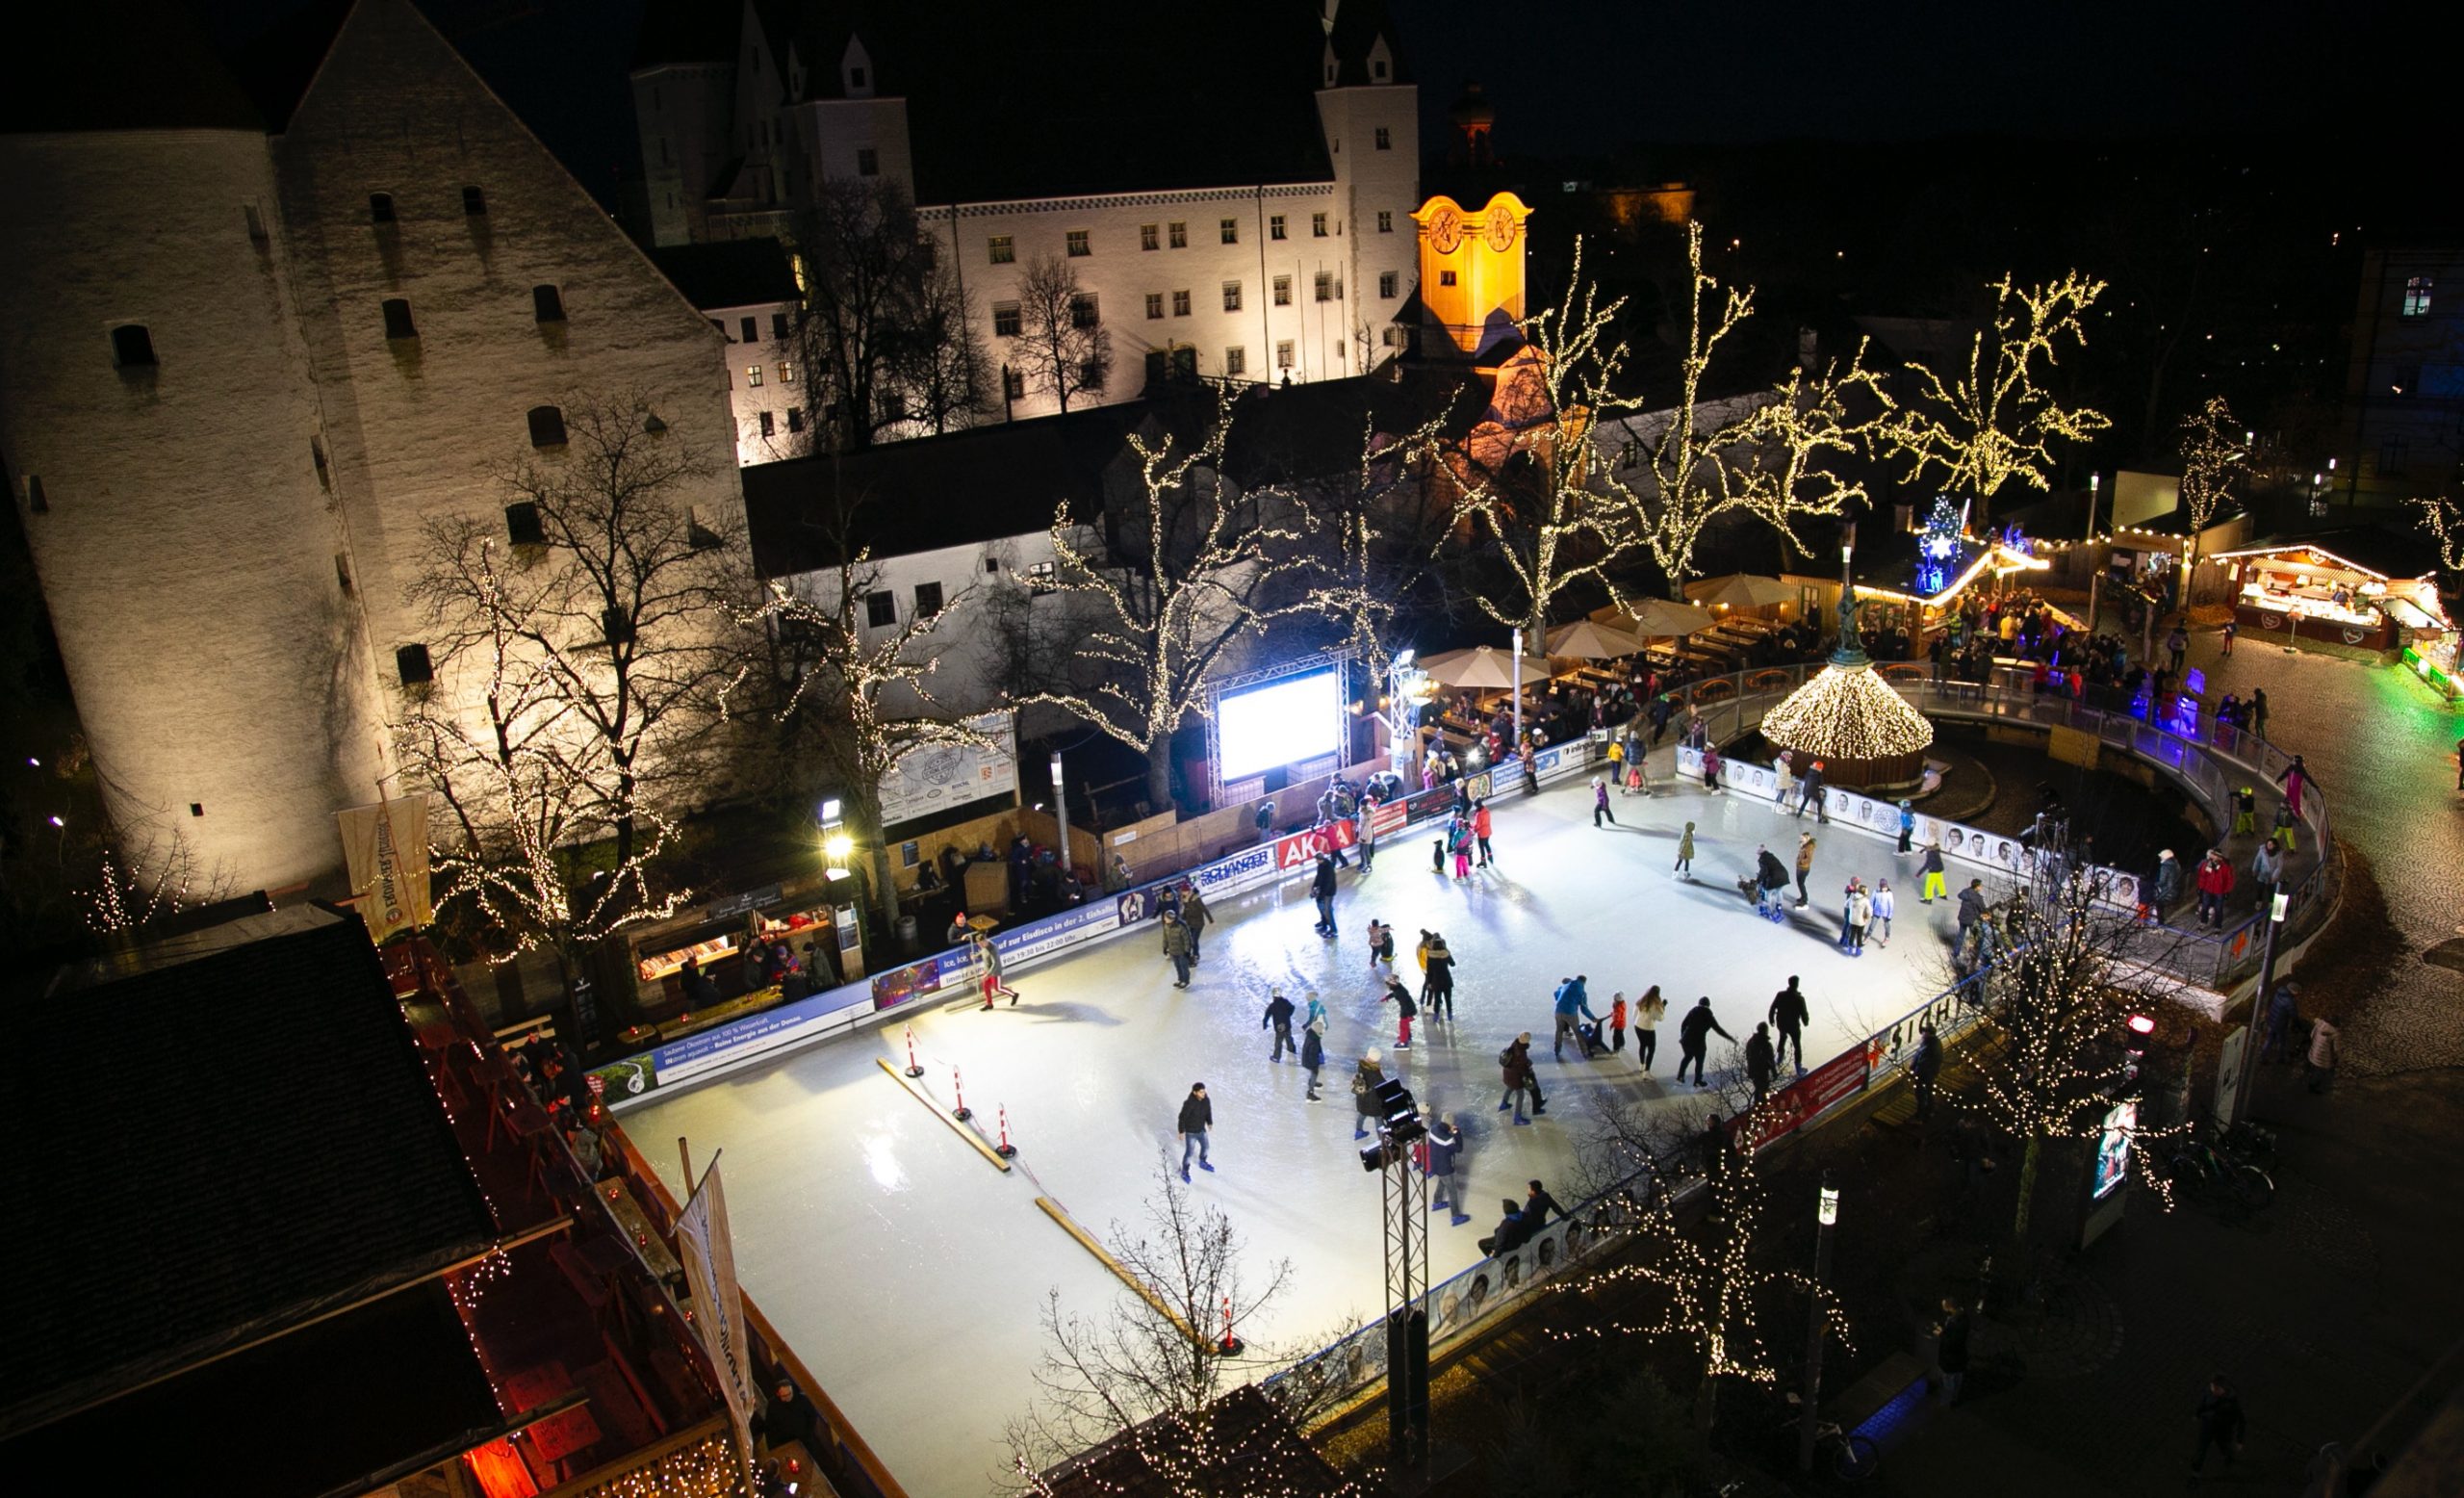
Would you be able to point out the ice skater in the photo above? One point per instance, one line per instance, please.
(1381, 950)
(1790, 1013)
(1197, 1117)
(1198, 918)
(1177, 946)
(1322, 888)
(1461, 837)
(1686, 853)
(1278, 1014)
(1759, 1063)
(1861, 915)
(1805, 863)
(1617, 1021)
(1437, 993)
(1694, 1038)
(1404, 1011)
(1313, 1053)
(989, 956)
(1882, 904)
(1907, 826)
(1600, 804)
(1929, 882)
(1366, 1079)
(1515, 1063)
(1440, 1149)
(1782, 780)
(1648, 1012)
(1710, 770)
(1571, 1000)
(1809, 794)
(1481, 831)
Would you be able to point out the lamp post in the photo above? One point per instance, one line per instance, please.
(1518, 702)
(1826, 1216)
(2095, 572)
(2258, 1010)
(1061, 815)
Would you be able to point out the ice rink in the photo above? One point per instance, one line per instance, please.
(907, 1273)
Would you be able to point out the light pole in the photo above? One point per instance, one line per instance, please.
(2095, 572)
(2250, 1040)
(1061, 815)
(1826, 1216)
(1527, 767)
(1404, 1226)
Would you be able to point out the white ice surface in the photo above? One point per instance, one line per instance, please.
(907, 1273)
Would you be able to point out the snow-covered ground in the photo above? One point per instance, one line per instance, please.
(907, 1273)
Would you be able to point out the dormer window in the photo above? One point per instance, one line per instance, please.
(856, 69)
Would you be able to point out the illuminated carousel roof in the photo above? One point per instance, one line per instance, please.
(1847, 713)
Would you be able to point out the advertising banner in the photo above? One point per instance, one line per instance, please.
(385, 846)
(708, 1255)
(1388, 816)
(1798, 1104)
(1301, 849)
(936, 780)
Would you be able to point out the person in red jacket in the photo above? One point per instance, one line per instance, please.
(2215, 883)
(1481, 830)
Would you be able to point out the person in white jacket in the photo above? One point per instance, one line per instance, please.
(1882, 905)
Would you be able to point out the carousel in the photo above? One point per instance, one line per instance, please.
(1862, 732)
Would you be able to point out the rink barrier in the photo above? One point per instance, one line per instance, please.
(881, 998)
(956, 1121)
(1145, 1292)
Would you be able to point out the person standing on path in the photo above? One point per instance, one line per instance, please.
(2222, 1425)
(2246, 812)
(2168, 886)
(1759, 1065)
(2283, 834)
(1279, 1015)
(1805, 865)
(1438, 991)
(1322, 888)
(2326, 1046)
(2215, 883)
(1950, 1348)
(2230, 629)
(1313, 1053)
(1196, 917)
(2295, 778)
(2266, 871)
(1515, 1064)
(1404, 1011)
(1923, 1067)
(1365, 1078)
(1572, 1000)
(1884, 903)
(1788, 1015)
(1809, 794)
(1198, 1117)
(1444, 1142)
(1617, 1021)
(1694, 1038)
(1177, 946)
(1929, 887)
(1685, 852)
(1600, 804)
(1481, 830)
(1648, 1011)
(2259, 711)
(2175, 644)
(2282, 1004)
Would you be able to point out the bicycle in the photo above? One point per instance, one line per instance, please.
(2220, 1175)
(1845, 1455)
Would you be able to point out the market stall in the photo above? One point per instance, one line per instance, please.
(2357, 592)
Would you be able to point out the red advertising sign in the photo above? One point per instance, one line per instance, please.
(1806, 1097)
(1388, 816)
(1302, 848)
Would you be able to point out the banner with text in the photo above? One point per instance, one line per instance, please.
(385, 847)
(708, 1255)
(951, 775)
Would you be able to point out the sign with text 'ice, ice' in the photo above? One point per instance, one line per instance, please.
(1280, 723)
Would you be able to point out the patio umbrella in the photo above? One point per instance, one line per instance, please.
(1654, 617)
(1587, 640)
(1740, 590)
(1481, 667)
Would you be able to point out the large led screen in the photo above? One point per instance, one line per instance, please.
(1279, 723)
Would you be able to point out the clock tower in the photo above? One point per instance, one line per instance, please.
(1471, 265)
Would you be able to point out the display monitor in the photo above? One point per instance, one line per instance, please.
(1281, 722)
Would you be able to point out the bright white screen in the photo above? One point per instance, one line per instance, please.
(1279, 724)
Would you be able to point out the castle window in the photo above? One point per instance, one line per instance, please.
(1078, 247)
(1005, 320)
(778, 325)
(2416, 290)
(787, 372)
(854, 78)
(1385, 138)
(1091, 375)
(752, 376)
(522, 526)
(1180, 304)
(1083, 310)
(341, 575)
(1283, 290)
(398, 319)
(1446, 278)
(475, 202)
(1274, 227)
(1154, 305)
(547, 304)
(795, 418)
(411, 665)
(767, 421)
(1318, 226)
(1180, 236)
(35, 500)
(1385, 220)
(868, 161)
(927, 600)
(1002, 249)
(317, 455)
(1386, 280)
(881, 609)
(1149, 236)
(1231, 296)
(1283, 354)
(1236, 362)
(1231, 231)
(1377, 69)
(1328, 287)
(132, 346)
(1014, 385)
(750, 328)
(546, 427)
(381, 208)
(256, 223)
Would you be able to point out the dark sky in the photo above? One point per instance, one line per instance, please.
(1575, 77)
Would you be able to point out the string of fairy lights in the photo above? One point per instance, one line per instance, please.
(1994, 421)
(1847, 713)
(2443, 518)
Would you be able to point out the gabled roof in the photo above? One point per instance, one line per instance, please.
(728, 272)
(220, 1144)
(2386, 552)
(1359, 26)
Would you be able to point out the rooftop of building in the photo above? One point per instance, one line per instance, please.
(729, 272)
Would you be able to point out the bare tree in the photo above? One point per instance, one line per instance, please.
(1996, 423)
(1061, 346)
(883, 332)
(1198, 568)
(861, 696)
(2212, 460)
(147, 875)
(1385, 527)
(944, 378)
(578, 673)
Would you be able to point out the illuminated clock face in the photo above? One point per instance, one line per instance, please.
(1500, 227)
(1446, 231)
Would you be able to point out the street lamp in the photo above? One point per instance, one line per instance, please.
(2258, 1007)
(835, 844)
(1826, 1217)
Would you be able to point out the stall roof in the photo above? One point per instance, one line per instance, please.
(2382, 553)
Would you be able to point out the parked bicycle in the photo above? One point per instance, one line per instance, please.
(2200, 1168)
(1845, 1455)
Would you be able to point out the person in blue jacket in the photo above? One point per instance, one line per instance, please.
(1572, 1000)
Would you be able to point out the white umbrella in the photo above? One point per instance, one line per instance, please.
(1482, 667)
(1587, 640)
(1740, 590)
(1654, 617)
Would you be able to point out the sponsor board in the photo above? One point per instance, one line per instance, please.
(1801, 1101)
(1303, 849)
(1388, 816)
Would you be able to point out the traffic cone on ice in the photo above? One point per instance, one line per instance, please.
(1005, 1150)
(1230, 1345)
(959, 1088)
(913, 1070)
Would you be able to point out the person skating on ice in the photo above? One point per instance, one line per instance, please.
(1789, 1015)
(1313, 1053)
(1198, 1117)
(1882, 904)
(1177, 946)
(1685, 852)
(1600, 804)
(1804, 866)
(1365, 1078)
(1381, 950)
(1572, 999)
(1694, 1038)
(1481, 831)
(1322, 888)
(1514, 1063)
(1649, 1010)
(1929, 885)
(1404, 1011)
(1809, 794)
(1443, 1144)
(1198, 918)
(1437, 993)
(1279, 1015)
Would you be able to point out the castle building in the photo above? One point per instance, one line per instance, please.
(253, 343)
(1231, 182)
(748, 291)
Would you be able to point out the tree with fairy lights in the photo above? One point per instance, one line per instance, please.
(579, 671)
(143, 878)
(1994, 423)
(2214, 459)
(1383, 517)
(2443, 518)
(1135, 1393)
(861, 697)
(1706, 1293)
(1196, 568)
